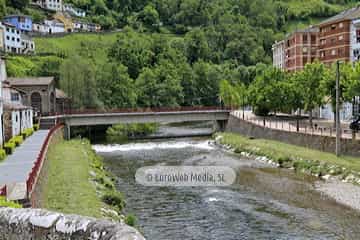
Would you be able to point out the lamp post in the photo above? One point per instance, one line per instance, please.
(338, 126)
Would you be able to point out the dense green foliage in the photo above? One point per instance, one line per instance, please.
(170, 52)
(121, 132)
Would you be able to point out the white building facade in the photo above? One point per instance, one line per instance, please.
(12, 39)
(73, 10)
(55, 5)
(279, 54)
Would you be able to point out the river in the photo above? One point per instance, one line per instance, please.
(263, 203)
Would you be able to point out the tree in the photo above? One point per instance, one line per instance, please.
(268, 92)
(196, 46)
(133, 51)
(229, 94)
(115, 87)
(310, 83)
(77, 79)
(328, 84)
(19, 4)
(150, 17)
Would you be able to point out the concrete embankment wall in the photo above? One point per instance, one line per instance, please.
(323, 143)
(37, 224)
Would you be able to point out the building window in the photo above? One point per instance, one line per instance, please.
(322, 54)
(15, 97)
(305, 38)
(7, 38)
(341, 52)
(333, 52)
(341, 25)
(323, 41)
(333, 27)
(12, 39)
(333, 40)
(13, 30)
(305, 50)
(341, 37)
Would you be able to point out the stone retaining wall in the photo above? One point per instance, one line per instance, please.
(37, 224)
(323, 143)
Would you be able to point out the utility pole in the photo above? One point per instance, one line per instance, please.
(338, 126)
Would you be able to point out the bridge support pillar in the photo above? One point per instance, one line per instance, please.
(220, 125)
(67, 132)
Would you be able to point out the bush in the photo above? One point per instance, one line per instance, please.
(27, 132)
(114, 199)
(18, 140)
(36, 127)
(130, 220)
(9, 147)
(6, 203)
(2, 154)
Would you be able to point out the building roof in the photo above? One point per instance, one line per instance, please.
(28, 81)
(348, 14)
(310, 29)
(17, 15)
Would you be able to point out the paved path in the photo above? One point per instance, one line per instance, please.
(324, 127)
(17, 167)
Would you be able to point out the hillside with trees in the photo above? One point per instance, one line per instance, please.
(169, 52)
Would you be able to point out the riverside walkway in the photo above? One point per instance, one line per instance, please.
(15, 169)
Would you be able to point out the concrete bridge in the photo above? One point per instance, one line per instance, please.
(165, 115)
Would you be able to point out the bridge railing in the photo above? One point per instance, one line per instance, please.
(3, 191)
(142, 110)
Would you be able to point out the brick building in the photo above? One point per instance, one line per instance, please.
(301, 48)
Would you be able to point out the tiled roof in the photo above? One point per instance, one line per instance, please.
(349, 14)
(27, 81)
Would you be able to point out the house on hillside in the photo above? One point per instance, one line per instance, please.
(15, 41)
(54, 5)
(21, 22)
(74, 11)
(12, 38)
(49, 27)
(39, 93)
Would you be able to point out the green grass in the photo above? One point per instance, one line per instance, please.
(278, 150)
(68, 188)
(96, 44)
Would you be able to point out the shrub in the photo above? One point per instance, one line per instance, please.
(27, 132)
(2, 154)
(130, 220)
(18, 140)
(36, 127)
(114, 199)
(6, 203)
(9, 147)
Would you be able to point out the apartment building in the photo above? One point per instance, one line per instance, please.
(301, 48)
(278, 49)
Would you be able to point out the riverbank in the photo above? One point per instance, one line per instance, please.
(341, 174)
(74, 181)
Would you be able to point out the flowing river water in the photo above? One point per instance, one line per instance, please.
(263, 203)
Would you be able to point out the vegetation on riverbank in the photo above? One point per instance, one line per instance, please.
(299, 158)
(6, 203)
(78, 183)
(122, 132)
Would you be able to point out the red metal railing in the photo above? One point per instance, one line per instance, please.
(140, 110)
(3, 191)
(31, 181)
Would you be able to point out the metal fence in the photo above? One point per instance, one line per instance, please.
(291, 126)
